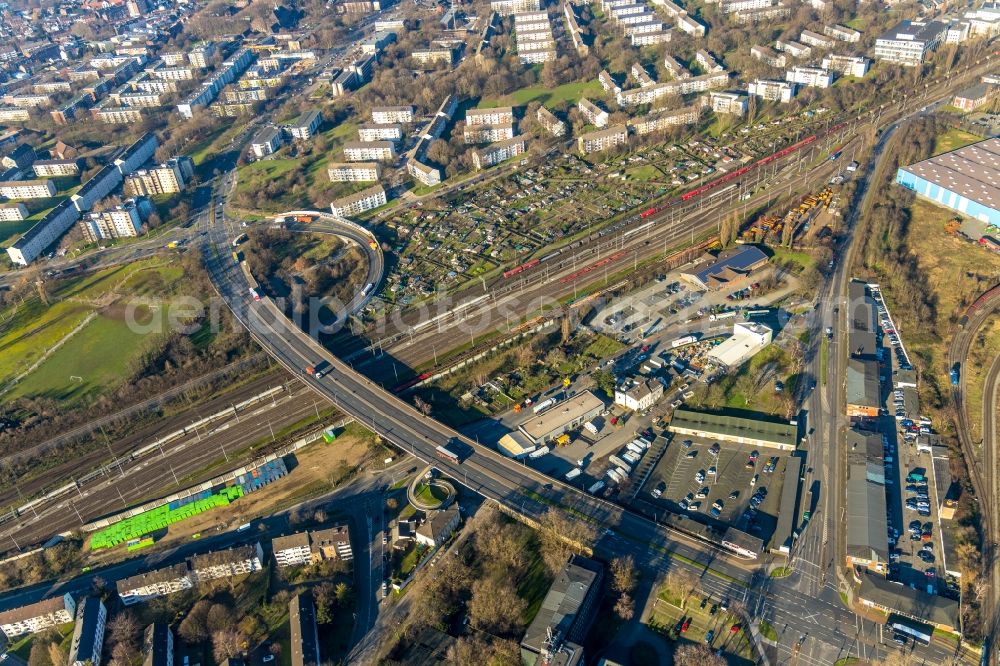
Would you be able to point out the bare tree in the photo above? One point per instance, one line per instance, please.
(226, 643)
(625, 607)
(693, 654)
(495, 607)
(623, 574)
(561, 536)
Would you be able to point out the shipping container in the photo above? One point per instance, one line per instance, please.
(596, 488)
(618, 462)
(538, 453)
(545, 404)
(630, 458)
(635, 448)
(686, 340)
(573, 473)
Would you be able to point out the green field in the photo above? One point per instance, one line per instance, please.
(954, 139)
(803, 259)
(551, 98)
(11, 230)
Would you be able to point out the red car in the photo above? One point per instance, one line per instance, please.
(684, 627)
(735, 629)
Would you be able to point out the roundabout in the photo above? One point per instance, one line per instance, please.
(428, 492)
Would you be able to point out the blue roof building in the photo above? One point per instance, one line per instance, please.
(729, 268)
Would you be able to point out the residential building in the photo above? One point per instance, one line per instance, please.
(509, 7)
(152, 584)
(972, 98)
(641, 76)
(387, 115)
(488, 133)
(122, 221)
(813, 77)
(358, 6)
(545, 426)
(98, 187)
(690, 25)
(117, 115)
(638, 394)
(498, 152)
(498, 116)
(306, 125)
(438, 526)
(266, 142)
(772, 91)
(88, 633)
(367, 151)
(676, 69)
(292, 550)
(38, 616)
(167, 178)
(593, 142)
(359, 202)
(843, 33)
(793, 48)
(236, 561)
(847, 65)
(559, 629)
(909, 42)
(27, 100)
(684, 86)
(312, 546)
(736, 429)
(376, 132)
(332, 543)
(957, 32)
(747, 340)
(136, 154)
(662, 120)
(594, 114)
(13, 114)
(730, 6)
(433, 55)
(202, 55)
(768, 56)
(984, 21)
(377, 42)
(708, 62)
(20, 157)
(423, 173)
(810, 38)
(865, 516)
(302, 627)
(354, 172)
(964, 180)
(608, 83)
(43, 234)
(158, 645)
(13, 212)
(773, 13)
(27, 189)
(728, 102)
(548, 120)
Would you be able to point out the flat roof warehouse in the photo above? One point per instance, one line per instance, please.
(783, 436)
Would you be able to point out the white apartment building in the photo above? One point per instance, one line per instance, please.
(167, 178)
(357, 203)
(171, 73)
(98, 187)
(312, 546)
(38, 616)
(708, 61)
(118, 115)
(488, 133)
(498, 152)
(88, 633)
(843, 33)
(137, 154)
(533, 56)
(226, 563)
(690, 25)
(909, 42)
(266, 142)
(655, 122)
(593, 142)
(508, 7)
(498, 116)
(676, 69)
(368, 151)
(55, 168)
(793, 48)
(811, 38)
(552, 125)
(431, 56)
(46, 231)
(376, 132)
(730, 6)
(728, 102)
(153, 584)
(292, 550)
(772, 91)
(202, 56)
(423, 173)
(13, 212)
(27, 100)
(847, 65)
(768, 56)
(27, 189)
(638, 394)
(387, 115)
(641, 76)
(354, 172)
(306, 125)
(123, 221)
(814, 77)
(594, 114)
(13, 114)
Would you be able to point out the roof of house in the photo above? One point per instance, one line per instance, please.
(783, 434)
(331, 536)
(914, 31)
(306, 119)
(978, 91)
(863, 387)
(265, 136)
(904, 600)
(731, 265)
(302, 626)
(156, 645)
(564, 598)
(37, 609)
(562, 413)
(972, 172)
(374, 190)
(866, 515)
(85, 640)
(162, 575)
(438, 525)
(217, 557)
(789, 503)
(289, 541)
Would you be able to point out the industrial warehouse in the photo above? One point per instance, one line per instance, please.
(964, 180)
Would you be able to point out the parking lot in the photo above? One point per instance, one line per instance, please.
(729, 481)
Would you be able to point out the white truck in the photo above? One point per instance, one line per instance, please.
(573, 473)
(539, 452)
(630, 458)
(596, 488)
(543, 405)
(635, 448)
(618, 462)
(590, 427)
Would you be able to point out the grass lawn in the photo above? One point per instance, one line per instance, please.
(551, 98)
(82, 367)
(603, 347)
(767, 631)
(10, 230)
(431, 494)
(644, 172)
(803, 260)
(954, 139)
(26, 335)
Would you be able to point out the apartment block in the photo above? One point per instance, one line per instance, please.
(38, 616)
(708, 62)
(368, 151)
(909, 42)
(136, 154)
(847, 65)
(303, 548)
(814, 77)
(118, 115)
(593, 142)
(236, 561)
(593, 114)
(152, 584)
(387, 115)
(376, 132)
(354, 172)
(655, 122)
(88, 633)
(552, 125)
(33, 242)
(122, 221)
(768, 56)
(488, 133)
(266, 142)
(687, 86)
(750, 16)
(498, 152)
(433, 56)
(360, 202)
(423, 173)
(304, 636)
(306, 125)
(730, 6)
(843, 33)
(728, 102)
(772, 91)
(793, 48)
(13, 212)
(498, 116)
(98, 187)
(158, 645)
(27, 100)
(13, 114)
(27, 189)
(201, 56)
(810, 38)
(509, 7)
